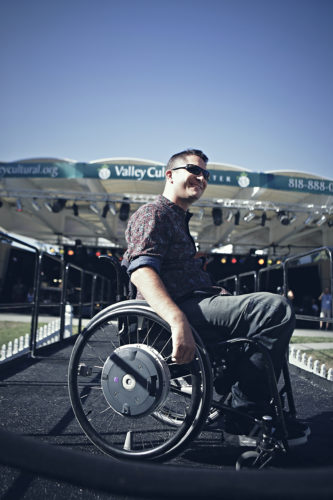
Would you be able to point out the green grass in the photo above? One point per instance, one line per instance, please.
(307, 340)
(10, 330)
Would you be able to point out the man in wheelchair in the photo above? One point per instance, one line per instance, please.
(162, 264)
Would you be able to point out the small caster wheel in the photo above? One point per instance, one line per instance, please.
(248, 460)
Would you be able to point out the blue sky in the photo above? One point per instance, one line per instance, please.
(248, 81)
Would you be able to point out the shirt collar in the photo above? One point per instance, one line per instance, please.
(176, 208)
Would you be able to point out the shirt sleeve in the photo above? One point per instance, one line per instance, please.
(144, 261)
(148, 238)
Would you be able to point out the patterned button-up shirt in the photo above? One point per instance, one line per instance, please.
(158, 236)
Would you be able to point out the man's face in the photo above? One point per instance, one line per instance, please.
(188, 187)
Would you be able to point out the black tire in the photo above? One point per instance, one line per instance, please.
(248, 460)
(165, 431)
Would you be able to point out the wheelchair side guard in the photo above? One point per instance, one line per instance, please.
(102, 316)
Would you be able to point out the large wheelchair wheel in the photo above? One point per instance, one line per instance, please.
(128, 396)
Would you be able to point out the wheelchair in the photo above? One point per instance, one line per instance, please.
(133, 402)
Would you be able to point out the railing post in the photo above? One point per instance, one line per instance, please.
(92, 303)
(285, 278)
(236, 285)
(65, 269)
(35, 306)
(102, 291)
(82, 279)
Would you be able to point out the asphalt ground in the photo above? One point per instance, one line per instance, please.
(34, 403)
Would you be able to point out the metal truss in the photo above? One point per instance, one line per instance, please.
(236, 204)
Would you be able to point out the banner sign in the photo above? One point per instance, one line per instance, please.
(125, 171)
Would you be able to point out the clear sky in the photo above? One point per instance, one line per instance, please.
(248, 81)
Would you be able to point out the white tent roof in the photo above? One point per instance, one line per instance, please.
(34, 182)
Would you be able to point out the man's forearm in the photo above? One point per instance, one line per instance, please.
(152, 288)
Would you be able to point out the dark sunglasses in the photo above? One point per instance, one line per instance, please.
(195, 170)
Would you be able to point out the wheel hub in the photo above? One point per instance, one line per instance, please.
(135, 380)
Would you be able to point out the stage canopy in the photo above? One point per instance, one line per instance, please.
(59, 201)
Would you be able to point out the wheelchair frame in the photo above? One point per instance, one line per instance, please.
(133, 402)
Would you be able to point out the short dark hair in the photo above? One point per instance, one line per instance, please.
(183, 154)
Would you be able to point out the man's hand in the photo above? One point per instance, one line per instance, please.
(152, 288)
(183, 344)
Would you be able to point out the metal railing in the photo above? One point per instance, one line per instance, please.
(322, 250)
(86, 299)
(263, 279)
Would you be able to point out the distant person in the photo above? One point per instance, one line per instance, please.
(30, 295)
(326, 307)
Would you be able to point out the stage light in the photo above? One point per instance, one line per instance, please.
(106, 208)
(200, 214)
(48, 206)
(269, 262)
(234, 260)
(229, 216)
(98, 253)
(94, 208)
(308, 220)
(58, 205)
(237, 217)
(124, 211)
(75, 210)
(284, 218)
(18, 206)
(261, 262)
(217, 215)
(322, 220)
(35, 205)
(113, 210)
(249, 216)
(263, 219)
(70, 252)
(223, 260)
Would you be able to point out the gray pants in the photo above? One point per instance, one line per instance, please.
(265, 317)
